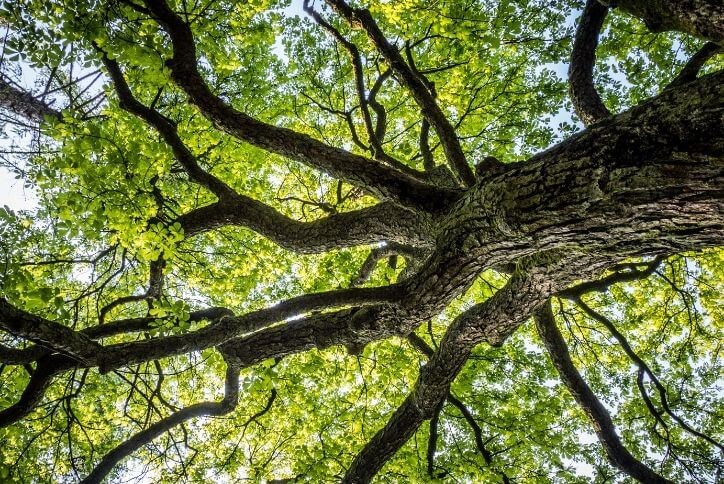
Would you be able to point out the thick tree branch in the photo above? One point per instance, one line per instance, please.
(47, 333)
(380, 180)
(586, 101)
(701, 18)
(416, 86)
(480, 443)
(382, 222)
(14, 356)
(694, 65)
(137, 325)
(492, 321)
(226, 329)
(24, 104)
(591, 405)
(47, 368)
(626, 169)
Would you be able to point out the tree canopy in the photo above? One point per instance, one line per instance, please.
(408, 241)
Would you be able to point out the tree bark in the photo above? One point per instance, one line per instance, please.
(24, 104)
(586, 101)
(647, 181)
(701, 18)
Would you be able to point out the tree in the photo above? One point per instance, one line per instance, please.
(351, 235)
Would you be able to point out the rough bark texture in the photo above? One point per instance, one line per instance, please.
(52, 335)
(24, 104)
(701, 18)
(492, 320)
(647, 181)
(384, 221)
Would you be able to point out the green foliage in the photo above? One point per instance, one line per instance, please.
(110, 191)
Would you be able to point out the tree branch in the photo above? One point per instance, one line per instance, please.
(645, 369)
(155, 285)
(694, 65)
(24, 104)
(587, 400)
(167, 129)
(380, 180)
(478, 434)
(634, 273)
(47, 333)
(382, 222)
(47, 368)
(379, 109)
(586, 101)
(202, 409)
(14, 356)
(379, 253)
(296, 335)
(420, 344)
(428, 161)
(701, 18)
(359, 82)
(416, 86)
(432, 439)
(489, 321)
(226, 327)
